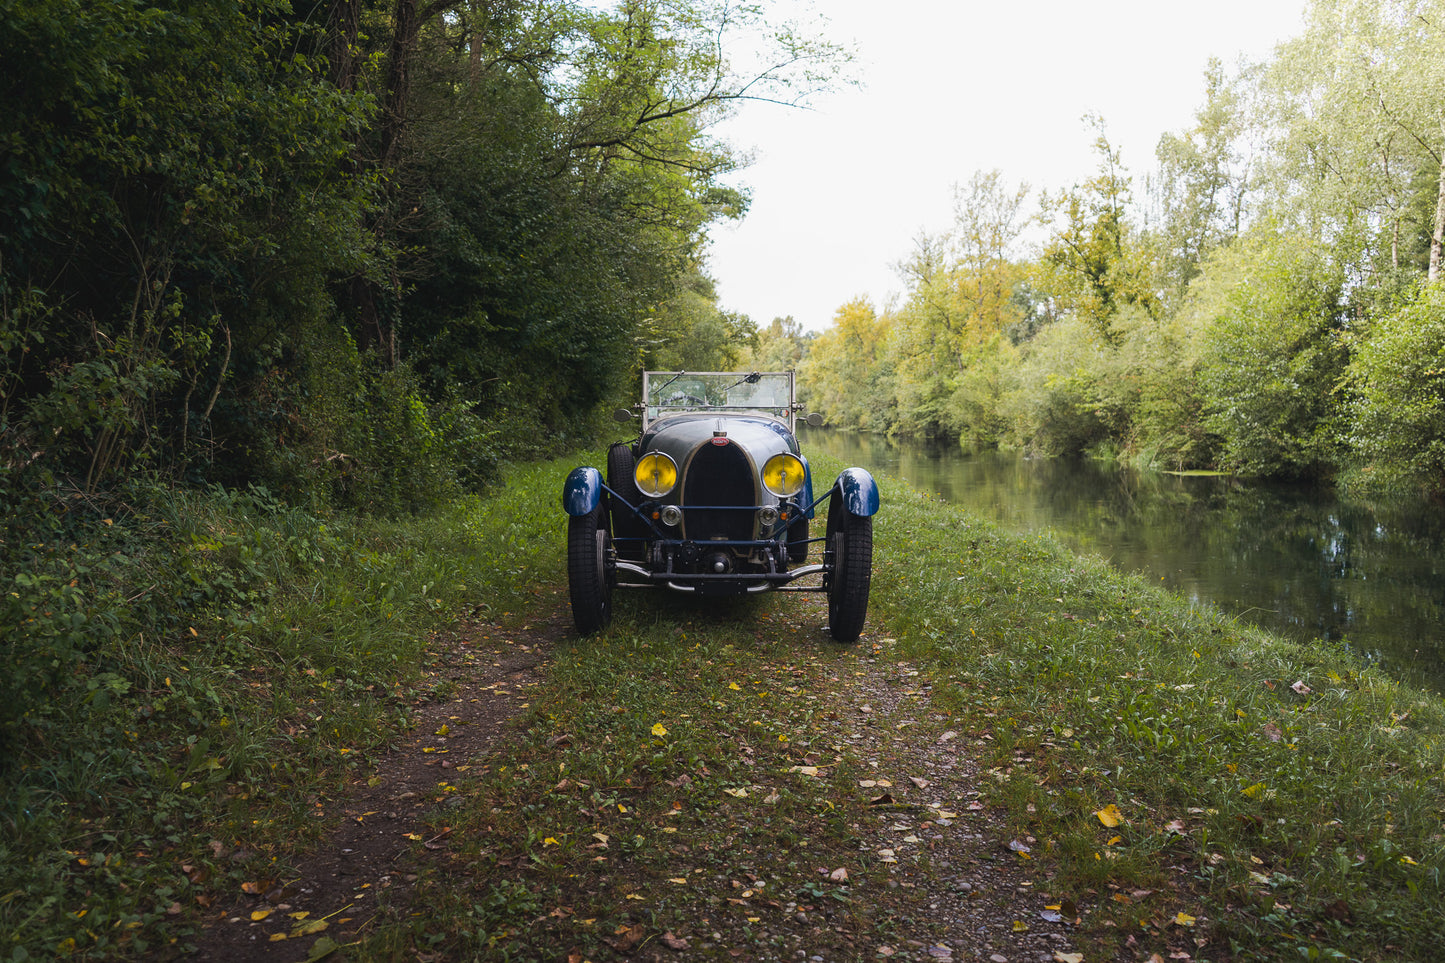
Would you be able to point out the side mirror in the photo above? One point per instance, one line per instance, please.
(814, 419)
(622, 415)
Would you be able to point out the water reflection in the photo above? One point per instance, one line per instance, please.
(1294, 559)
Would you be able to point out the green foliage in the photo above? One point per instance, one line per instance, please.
(1056, 407)
(184, 671)
(1274, 356)
(1398, 382)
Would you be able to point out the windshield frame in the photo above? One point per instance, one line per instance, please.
(767, 394)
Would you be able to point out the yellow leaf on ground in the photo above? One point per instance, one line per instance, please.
(1110, 816)
(549, 841)
(1183, 919)
(259, 915)
(658, 729)
(735, 686)
(737, 793)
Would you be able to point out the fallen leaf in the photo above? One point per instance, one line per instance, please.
(673, 942)
(1018, 847)
(920, 783)
(737, 793)
(1020, 926)
(1062, 957)
(260, 914)
(628, 937)
(1110, 815)
(1183, 919)
(1051, 916)
(658, 729)
(1301, 688)
(839, 875)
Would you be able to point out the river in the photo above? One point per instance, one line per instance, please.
(1299, 560)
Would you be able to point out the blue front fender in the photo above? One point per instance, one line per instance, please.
(807, 485)
(859, 490)
(582, 491)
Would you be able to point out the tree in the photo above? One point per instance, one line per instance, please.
(1203, 181)
(1398, 408)
(1098, 269)
(1358, 101)
(842, 372)
(1274, 354)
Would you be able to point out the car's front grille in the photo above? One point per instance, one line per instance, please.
(719, 475)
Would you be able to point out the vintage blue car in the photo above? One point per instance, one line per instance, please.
(714, 497)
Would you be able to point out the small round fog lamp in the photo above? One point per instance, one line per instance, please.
(671, 515)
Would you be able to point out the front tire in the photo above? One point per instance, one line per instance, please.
(590, 575)
(625, 523)
(850, 540)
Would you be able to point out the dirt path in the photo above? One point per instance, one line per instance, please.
(954, 865)
(368, 859)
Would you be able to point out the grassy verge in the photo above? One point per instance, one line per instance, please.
(187, 680)
(686, 774)
(1299, 793)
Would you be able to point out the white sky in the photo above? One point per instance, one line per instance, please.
(840, 192)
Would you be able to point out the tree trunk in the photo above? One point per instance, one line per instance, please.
(1437, 240)
(345, 29)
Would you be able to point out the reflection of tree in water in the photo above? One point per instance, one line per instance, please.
(1292, 558)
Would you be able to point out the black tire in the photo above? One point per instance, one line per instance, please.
(589, 576)
(620, 478)
(798, 541)
(850, 540)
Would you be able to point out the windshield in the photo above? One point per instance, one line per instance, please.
(667, 393)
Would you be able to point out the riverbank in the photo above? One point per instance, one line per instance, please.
(1023, 741)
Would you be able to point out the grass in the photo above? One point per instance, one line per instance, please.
(689, 764)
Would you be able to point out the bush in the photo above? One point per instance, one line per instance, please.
(1273, 357)
(1398, 410)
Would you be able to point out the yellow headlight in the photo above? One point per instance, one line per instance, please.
(783, 475)
(656, 474)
